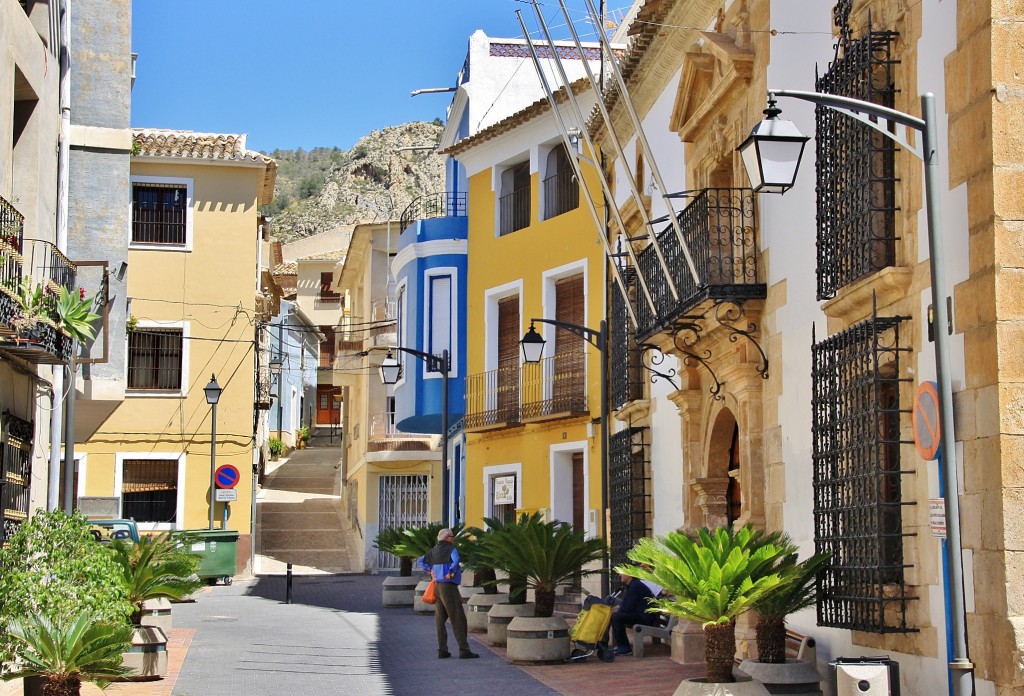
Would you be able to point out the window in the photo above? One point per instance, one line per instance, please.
(514, 199)
(628, 489)
(149, 490)
(509, 333)
(858, 477)
(328, 347)
(569, 388)
(561, 190)
(160, 213)
(327, 293)
(856, 179)
(440, 313)
(155, 359)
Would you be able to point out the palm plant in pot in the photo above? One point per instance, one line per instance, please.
(714, 576)
(546, 555)
(416, 541)
(397, 591)
(772, 668)
(157, 568)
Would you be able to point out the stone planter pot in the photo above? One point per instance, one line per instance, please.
(418, 605)
(500, 616)
(688, 643)
(398, 591)
(744, 686)
(477, 608)
(537, 640)
(791, 677)
(466, 591)
(157, 612)
(148, 654)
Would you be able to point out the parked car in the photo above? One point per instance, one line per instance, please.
(107, 530)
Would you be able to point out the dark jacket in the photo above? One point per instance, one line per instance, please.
(637, 600)
(443, 562)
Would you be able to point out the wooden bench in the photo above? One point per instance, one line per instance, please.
(655, 632)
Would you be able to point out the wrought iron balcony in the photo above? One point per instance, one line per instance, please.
(514, 211)
(384, 436)
(556, 386)
(720, 229)
(492, 398)
(434, 205)
(561, 193)
(12, 225)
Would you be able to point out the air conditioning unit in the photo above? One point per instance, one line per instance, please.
(865, 676)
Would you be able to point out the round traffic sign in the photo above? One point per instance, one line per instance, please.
(927, 427)
(227, 476)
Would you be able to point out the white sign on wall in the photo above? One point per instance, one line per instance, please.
(505, 490)
(937, 517)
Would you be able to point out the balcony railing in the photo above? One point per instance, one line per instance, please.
(555, 386)
(383, 309)
(720, 228)
(385, 437)
(12, 225)
(514, 211)
(492, 398)
(326, 298)
(434, 205)
(561, 194)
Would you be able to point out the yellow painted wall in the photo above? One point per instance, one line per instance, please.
(525, 255)
(212, 289)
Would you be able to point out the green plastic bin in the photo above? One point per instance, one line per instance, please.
(218, 551)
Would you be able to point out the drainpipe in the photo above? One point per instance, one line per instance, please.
(63, 153)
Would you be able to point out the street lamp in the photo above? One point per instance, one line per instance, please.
(391, 371)
(213, 391)
(768, 139)
(533, 349)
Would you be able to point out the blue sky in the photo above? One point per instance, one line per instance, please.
(313, 73)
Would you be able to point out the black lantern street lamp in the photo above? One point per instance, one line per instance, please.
(213, 392)
(391, 371)
(764, 142)
(533, 349)
(771, 153)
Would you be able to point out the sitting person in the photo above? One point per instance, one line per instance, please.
(633, 610)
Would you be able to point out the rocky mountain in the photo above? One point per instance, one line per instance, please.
(325, 188)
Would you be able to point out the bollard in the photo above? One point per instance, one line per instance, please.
(288, 586)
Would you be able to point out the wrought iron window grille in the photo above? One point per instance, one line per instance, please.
(629, 489)
(16, 479)
(856, 179)
(857, 417)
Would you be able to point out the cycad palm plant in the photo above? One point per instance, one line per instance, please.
(799, 592)
(714, 576)
(545, 554)
(388, 540)
(157, 567)
(66, 654)
(417, 541)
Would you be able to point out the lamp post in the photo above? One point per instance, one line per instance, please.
(771, 162)
(533, 349)
(213, 391)
(391, 370)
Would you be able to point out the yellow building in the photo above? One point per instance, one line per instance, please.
(192, 288)
(532, 430)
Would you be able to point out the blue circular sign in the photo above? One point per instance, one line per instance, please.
(227, 476)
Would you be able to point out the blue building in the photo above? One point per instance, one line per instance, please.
(430, 275)
(294, 349)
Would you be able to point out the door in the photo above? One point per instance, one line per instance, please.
(508, 359)
(567, 390)
(328, 405)
(403, 501)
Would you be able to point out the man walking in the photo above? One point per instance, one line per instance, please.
(442, 562)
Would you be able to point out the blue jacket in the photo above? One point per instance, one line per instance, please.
(443, 562)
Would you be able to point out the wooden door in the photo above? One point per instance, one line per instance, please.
(328, 405)
(509, 332)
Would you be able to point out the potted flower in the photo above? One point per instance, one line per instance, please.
(547, 555)
(73, 314)
(59, 654)
(713, 576)
(276, 446)
(301, 436)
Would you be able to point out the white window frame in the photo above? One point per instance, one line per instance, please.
(179, 512)
(189, 185)
(450, 272)
(182, 392)
(556, 461)
(401, 330)
(498, 174)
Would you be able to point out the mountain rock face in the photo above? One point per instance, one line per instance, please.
(325, 188)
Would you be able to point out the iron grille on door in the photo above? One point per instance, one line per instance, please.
(625, 382)
(628, 455)
(402, 502)
(149, 490)
(855, 166)
(15, 485)
(858, 478)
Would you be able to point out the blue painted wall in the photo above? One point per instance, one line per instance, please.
(418, 397)
(297, 345)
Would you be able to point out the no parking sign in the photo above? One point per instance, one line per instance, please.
(226, 476)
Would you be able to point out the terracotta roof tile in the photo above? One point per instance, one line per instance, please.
(286, 268)
(334, 254)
